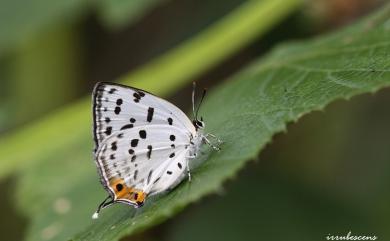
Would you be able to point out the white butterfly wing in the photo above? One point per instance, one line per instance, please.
(148, 158)
(117, 107)
(172, 175)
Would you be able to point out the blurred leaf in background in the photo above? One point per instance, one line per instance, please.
(20, 21)
(41, 45)
(51, 62)
(116, 13)
(40, 51)
(174, 69)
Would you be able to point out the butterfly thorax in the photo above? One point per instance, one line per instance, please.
(195, 143)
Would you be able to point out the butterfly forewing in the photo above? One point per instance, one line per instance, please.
(118, 107)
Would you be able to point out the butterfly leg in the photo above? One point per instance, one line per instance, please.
(188, 166)
(217, 148)
(219, 141)
(188, 172)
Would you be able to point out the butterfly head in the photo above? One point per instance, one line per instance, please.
(199, 124)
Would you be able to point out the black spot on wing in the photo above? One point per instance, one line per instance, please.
(170, 121)
(119, 187)
(133, 158)
(134, 142)
(114, 146)
(149, 153)
(135, 174)
(172, 137)
(117, 110)
(142, 134)
(119, 173)
(112, 91)
(158, 179)
(149, 117)
(136, 95)
(128, 126)
(149, 176)
(172, 155)
(108, 130)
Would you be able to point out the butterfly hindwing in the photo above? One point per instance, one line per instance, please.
(143, 157)
(118, 107)
(172, 175)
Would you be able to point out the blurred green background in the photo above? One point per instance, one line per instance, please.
(329, 174)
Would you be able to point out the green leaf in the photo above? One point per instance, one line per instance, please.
(20, 20)
(116, 13)
(260, 205)
(174, 69)
(245, 112)
(258, 102)
(53, 155)
(34, 66)
(325, 176)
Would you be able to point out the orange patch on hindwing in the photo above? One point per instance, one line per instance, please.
(122, 191)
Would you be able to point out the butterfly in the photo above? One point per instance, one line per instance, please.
(143, 144)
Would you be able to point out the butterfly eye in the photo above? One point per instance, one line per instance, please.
(200, 123)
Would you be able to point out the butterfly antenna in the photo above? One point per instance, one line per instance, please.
(103, 205)
(200, 103)
(193, 98)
